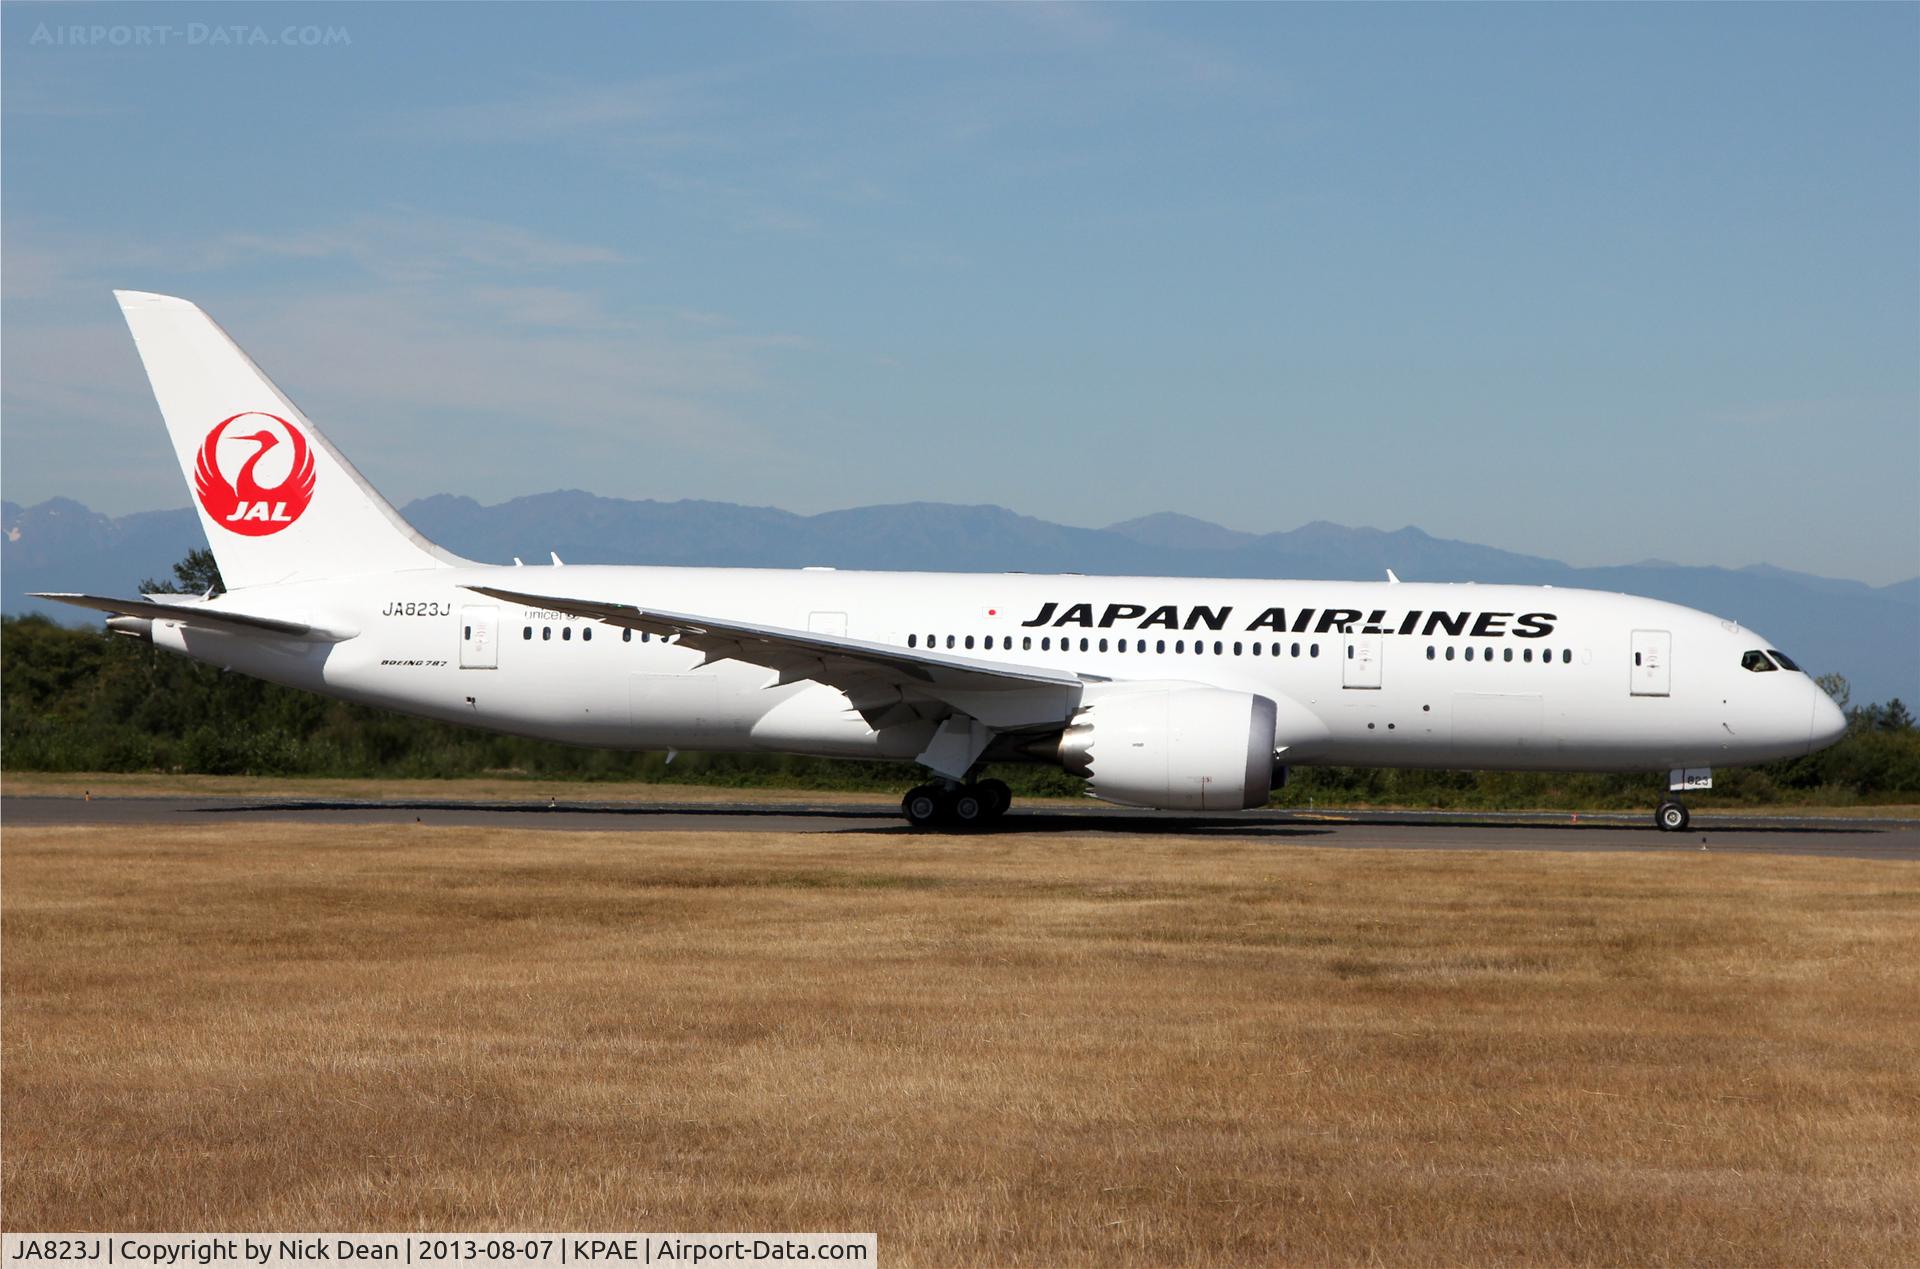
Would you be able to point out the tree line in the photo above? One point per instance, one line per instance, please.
(83, 700)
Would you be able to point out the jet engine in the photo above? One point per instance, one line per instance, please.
(1175, 747)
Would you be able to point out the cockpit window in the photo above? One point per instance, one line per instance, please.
(1786, 662)
(1756, 661)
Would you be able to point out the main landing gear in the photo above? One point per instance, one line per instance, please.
(953, 805)
(1671, 817)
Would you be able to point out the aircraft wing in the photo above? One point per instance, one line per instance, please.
(887, 684)
(193, 613)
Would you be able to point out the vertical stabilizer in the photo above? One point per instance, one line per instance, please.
(277, 501)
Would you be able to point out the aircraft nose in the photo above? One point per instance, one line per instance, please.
(1827, 723)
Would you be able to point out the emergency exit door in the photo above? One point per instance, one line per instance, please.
(1652, 650)
(479, 637)
(1361, 666)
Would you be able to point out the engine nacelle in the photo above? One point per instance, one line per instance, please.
(1175, 747)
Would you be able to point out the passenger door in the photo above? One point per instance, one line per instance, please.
(479, 637)
(1361, 667)
(1652, 650)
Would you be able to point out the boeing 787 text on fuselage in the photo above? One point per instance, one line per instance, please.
(1177, 693)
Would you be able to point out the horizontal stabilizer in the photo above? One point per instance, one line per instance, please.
(196, 614)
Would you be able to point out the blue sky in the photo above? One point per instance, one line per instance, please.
(1601, 283)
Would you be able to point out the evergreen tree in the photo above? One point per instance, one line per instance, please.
(1836, 686)
(195, 575)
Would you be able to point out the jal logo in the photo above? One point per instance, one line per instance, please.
(273, 474)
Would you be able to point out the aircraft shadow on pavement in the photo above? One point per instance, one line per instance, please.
(1016, 823)
(1040, 820)
(560, 808)
(1599, 826)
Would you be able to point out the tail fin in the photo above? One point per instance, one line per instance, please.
(278, 502)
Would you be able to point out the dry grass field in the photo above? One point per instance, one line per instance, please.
(1032, 1050)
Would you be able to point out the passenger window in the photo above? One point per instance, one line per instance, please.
(1103, 645)
(1046, 643)
(1566, 656)
(1276, 649)
(913, 641)
(1026, 643)
(566, 634)
(1139, 645)
(949, 641)
(527, 633)
(1296, 650)
(1526, 654)
(1236, 647)
(626, 636)
(1313, 650)
(1449, 654)
(1469, 654)
(1755, 661)
(546, 632)
(1506, 654)
(1217, 648)
(1349, 652)
(989, 643)
(1786, 662)
(1083, 645)
(1429, 652)
(969, 643)
(1159, 645)
(1256, 649)
(466, 632)
(1179, 645)
(1120, 646)
(586, 633)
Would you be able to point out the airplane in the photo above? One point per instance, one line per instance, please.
(1173, 693)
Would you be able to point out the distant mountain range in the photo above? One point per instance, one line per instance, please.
(1870, 634)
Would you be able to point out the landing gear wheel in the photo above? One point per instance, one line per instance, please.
(998, 797)
(926, 806)
(970, 808)
(1671, 817)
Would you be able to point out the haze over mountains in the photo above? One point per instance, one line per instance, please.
(1870, 634)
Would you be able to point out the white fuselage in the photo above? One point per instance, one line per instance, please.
(1163, 692)
(1366, 673)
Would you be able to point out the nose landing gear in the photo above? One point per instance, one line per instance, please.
(1671, 817)
(954, 805)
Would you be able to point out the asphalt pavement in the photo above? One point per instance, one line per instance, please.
(1859, 838)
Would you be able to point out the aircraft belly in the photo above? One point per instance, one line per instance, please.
(715, 707)
(816, 719)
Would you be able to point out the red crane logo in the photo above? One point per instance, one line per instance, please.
(243, 505)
